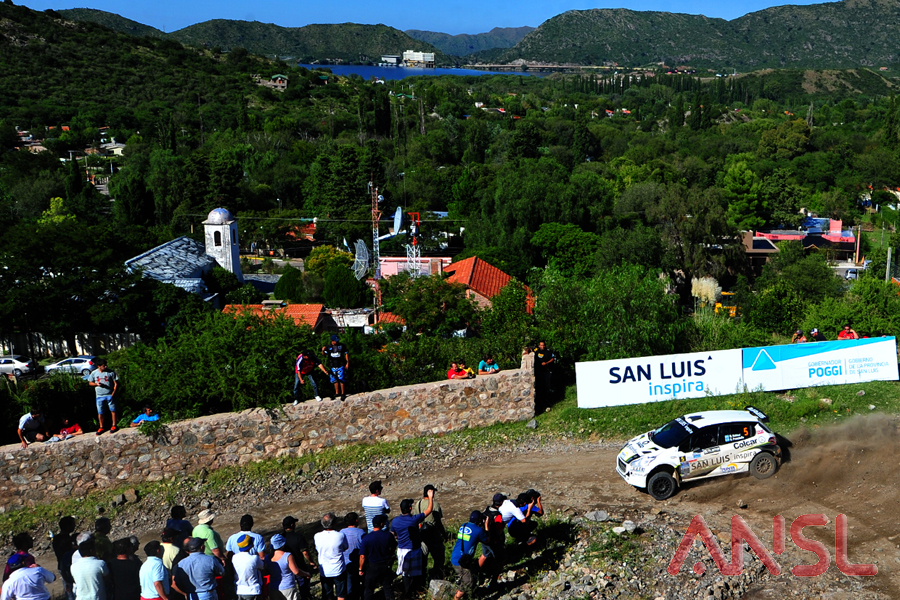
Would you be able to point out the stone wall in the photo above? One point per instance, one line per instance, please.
(45, 472)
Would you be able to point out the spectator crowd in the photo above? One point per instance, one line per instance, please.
(351, 558)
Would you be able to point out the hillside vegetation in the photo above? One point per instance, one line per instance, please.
(346, 42)
(469, 43)
(846, 34)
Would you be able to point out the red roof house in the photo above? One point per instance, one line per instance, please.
(303, 314)
(483, 280)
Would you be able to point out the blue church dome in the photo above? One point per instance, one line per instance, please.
(219, 216)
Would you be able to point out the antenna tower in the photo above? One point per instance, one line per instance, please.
(376, 215)
(413, 248)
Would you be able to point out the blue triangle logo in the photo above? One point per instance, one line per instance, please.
(764, 362)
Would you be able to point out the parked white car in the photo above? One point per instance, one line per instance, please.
(82, 365)
(698, 446)
(17, 365)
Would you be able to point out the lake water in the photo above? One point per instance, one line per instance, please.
(367, 72)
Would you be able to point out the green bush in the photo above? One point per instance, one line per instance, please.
(710, 331)
(872, 307)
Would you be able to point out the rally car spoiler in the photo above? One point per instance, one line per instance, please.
(757, 413)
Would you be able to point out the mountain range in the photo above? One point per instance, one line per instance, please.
(834, 35)
(468, 43)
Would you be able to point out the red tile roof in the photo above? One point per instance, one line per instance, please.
(303, 314)
(482, 278)
(385, 318)
(479, 276)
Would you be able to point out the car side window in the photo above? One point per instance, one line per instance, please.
(702, 439)
(735, 432)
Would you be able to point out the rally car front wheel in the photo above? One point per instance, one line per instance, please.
(661, 486)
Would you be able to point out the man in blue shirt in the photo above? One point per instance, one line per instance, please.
(376, 553)
(410, 560)
(195, 575)
(259, 544)
(463, 556)
(153, 574)
(488, 366)
(354, 536)
(148, 415)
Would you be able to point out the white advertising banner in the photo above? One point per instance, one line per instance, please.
(654, 378)
(821, 363)
(769, 368)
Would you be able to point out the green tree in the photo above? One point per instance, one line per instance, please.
(568, 249)
(321, 258)
(342, 289)
(290, 285)
(508, 324)
(619, 313)
(431, 306)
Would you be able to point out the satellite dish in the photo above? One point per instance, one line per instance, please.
(361, 261)
(380, 198)
(398, 220)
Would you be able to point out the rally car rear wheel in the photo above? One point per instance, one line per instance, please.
(661, 486)
(763, 465)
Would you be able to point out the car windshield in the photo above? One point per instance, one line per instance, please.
(671, 434)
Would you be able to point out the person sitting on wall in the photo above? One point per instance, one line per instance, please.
(148, 415)
(33, 428)
(798, 337)
(68, 430)
(468, 370)
(816, 336)
(488, 366)
(847, 333)
(456, 372)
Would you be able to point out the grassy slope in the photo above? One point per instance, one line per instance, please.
(564, 420)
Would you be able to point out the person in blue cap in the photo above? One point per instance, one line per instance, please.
(338, 365)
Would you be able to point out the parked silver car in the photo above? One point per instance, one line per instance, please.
(82, 365)
(17, 365)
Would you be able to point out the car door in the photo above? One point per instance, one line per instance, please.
(736, 439)
(67, 366)
(702, 452)
(5, 365)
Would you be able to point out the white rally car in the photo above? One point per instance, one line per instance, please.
(698, 446)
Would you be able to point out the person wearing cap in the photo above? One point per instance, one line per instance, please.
(195, 575)
(212, 541)
(90, 573)
(26, 582)
(22, 542)
(285, 574)
(154, 576)
(432, 531)
(798, 337)
(248, 567)
(295, 543)
(330, 546)
(374, 504)
(376, 554)
(463, 556)
(516, 521)
(816, 336)
(410, 560)
(33, 428)
(338, 364)
(259, 544)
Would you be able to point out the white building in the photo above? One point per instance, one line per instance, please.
(411, 58)
(222, 240)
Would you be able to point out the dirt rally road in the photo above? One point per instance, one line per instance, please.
(851, 469)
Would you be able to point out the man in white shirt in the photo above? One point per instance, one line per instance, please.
(330, 545)
(374, 505)
(248, 568)
(513, 516)
(26, 583)
(90, 573)
(154, 575)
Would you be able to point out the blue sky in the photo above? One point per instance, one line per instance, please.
(450, 16)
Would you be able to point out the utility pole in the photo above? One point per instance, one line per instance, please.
(887, 269)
